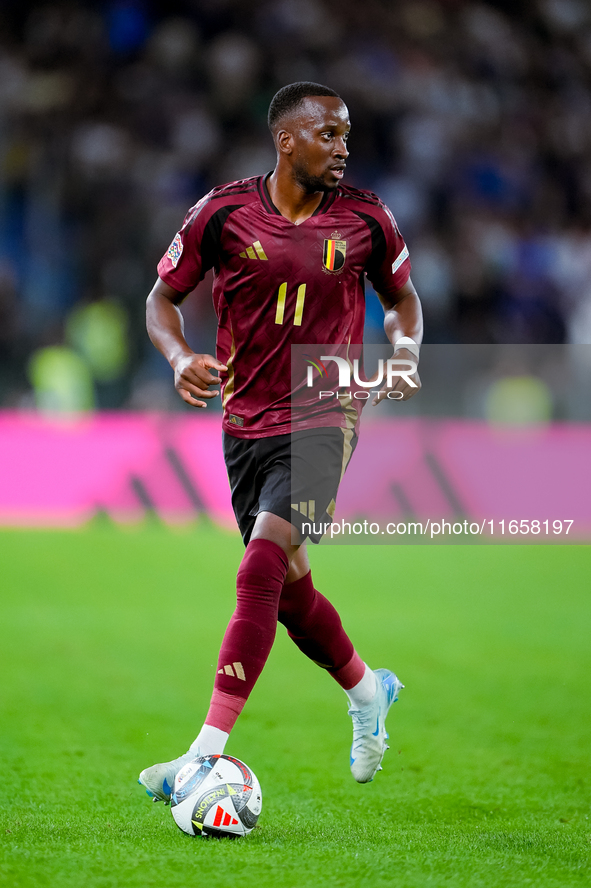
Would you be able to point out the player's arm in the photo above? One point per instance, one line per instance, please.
(403, 318)
(165, 326)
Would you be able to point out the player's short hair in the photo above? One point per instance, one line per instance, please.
(289, 97)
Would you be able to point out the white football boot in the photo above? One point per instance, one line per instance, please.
(369, 728)
(159, 779)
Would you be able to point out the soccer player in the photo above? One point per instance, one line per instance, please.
(289, 252)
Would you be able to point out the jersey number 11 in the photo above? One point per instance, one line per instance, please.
(299, 309)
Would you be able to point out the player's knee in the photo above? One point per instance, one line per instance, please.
(263, 569)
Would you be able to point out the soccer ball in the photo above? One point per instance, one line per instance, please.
(216, 795)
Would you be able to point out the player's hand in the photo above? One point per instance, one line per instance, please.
(400, 384)
(193, 380)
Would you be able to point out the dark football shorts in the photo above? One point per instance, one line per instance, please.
(293, 476)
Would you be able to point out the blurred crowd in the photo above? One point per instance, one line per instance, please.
(472, 120)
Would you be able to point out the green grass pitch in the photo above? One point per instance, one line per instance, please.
(109, 640)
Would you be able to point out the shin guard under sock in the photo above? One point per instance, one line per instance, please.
(251, 630)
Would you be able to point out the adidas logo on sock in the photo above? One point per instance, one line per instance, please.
(254, 252)
(237, 671)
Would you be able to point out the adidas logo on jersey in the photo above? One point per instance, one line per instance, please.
(254, 252)
(235, 670)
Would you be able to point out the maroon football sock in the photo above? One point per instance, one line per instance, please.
(315, 626)
(224, 709)
(251, 631)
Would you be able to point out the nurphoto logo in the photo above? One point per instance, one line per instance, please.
(387, 372)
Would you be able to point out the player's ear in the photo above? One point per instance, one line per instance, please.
(284, 142)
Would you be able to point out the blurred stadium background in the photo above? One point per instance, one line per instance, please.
(471, 119)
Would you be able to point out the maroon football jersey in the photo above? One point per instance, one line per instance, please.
(277, 284)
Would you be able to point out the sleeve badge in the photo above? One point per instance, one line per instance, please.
(175, 250)
(400, 259)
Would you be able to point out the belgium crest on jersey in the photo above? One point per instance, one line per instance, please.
(335, 250)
